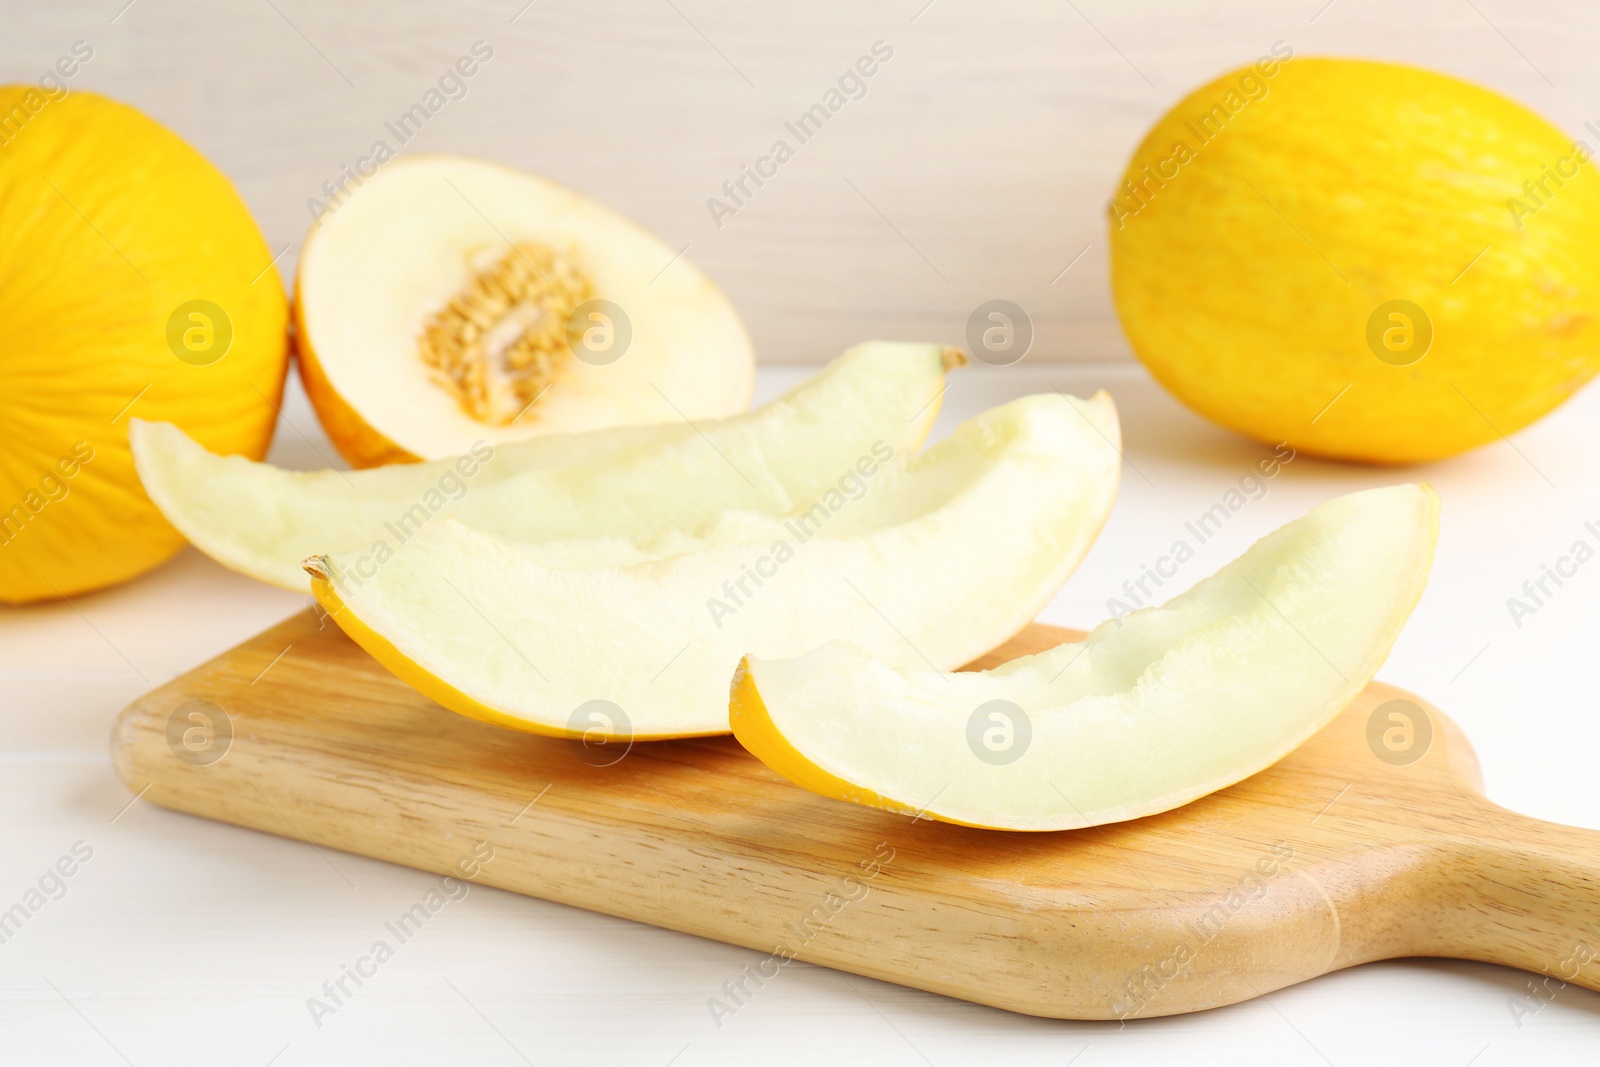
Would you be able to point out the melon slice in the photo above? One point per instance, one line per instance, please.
(931, 562)
(1148, 712)
(450, 300)
(639, 481)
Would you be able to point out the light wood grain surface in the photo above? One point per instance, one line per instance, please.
(976, 166)
(1364, 844)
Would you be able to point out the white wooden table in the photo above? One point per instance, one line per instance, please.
(182, 941)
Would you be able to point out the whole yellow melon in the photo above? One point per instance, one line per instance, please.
(1365, 260)
(134, 284)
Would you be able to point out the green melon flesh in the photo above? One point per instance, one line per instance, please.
(1148, 712)
(635, 481)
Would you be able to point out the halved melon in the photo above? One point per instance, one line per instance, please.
(927, 563)
(449, 300)
(634, 481)
(1148, 712)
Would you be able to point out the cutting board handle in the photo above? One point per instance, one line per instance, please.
(1525, 893)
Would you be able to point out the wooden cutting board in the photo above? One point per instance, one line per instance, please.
(1370, 842)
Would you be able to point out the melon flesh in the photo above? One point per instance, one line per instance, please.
(410, 240)
(1147, 713)
(930, 562)
(637, 481)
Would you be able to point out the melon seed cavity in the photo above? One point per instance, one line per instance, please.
(499, 342)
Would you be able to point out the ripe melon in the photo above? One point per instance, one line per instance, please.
(449, 302)
(135, 284)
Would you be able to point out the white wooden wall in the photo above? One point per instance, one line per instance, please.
(976, 166)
